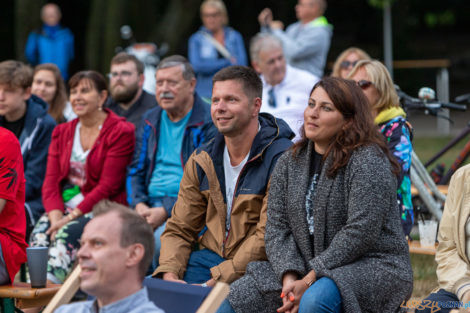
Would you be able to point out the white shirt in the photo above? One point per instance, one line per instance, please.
(291, 97)
(231, 177)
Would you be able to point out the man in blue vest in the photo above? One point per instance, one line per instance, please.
(167, 136)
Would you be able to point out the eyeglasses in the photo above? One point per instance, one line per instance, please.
(364, 84)
(123, 74)
(347, 64)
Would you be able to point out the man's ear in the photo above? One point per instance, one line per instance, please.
(257, 106)
(135, 254)
(141, 80)
(256, 67)
(27, 93)
(192, 84)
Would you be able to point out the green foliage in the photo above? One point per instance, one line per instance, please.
(445, 18)
(380, 4)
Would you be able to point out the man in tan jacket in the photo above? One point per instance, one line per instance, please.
(453, 252)
(223, 194)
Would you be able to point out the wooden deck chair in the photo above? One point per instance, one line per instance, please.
(176, 297)
(169, 296)
(66, 292)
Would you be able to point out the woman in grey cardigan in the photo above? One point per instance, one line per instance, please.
(333, 235)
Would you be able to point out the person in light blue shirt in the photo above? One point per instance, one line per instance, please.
(116, 250)
(167, 136)
(214, 46)
(168, 171)
(306, 42)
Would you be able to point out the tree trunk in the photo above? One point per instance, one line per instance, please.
(27, 13)
(176, 22)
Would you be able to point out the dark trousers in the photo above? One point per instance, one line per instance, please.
(447, 301)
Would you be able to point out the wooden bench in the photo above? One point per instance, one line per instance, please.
(416, 248)
(442, 188)
(22, 296)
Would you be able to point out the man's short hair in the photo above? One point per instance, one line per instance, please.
(134, 229)
(123, 57)
(252, 85)
(178, 60)
(263, 41)
(15, 74)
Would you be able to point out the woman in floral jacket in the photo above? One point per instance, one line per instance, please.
(376, 83)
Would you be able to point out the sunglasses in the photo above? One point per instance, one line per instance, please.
(347, 64)
(364, 84)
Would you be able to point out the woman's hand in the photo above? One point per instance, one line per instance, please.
(57, 220)
(292, 291)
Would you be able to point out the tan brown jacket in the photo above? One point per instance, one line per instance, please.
(201, 204)
(453, 265)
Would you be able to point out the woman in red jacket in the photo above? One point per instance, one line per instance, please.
(87, 162)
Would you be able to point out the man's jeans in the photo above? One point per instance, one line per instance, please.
(158, 244)
(167, 203)
(199, 265)
(323, 296)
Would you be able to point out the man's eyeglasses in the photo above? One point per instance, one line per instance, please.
(364, 84)
(123, 74)
(347, 64)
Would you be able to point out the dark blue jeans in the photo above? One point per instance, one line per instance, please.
(167, 203)
(198, 270)
(322, 297)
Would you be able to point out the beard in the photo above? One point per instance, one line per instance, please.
(124, 94)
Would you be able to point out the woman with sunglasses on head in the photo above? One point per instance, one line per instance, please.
(86, 163)
(49, 86)
(376, 83)
(333, 241)
(346, 61)
(214, 46)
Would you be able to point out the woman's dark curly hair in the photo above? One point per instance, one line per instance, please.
(359, 128)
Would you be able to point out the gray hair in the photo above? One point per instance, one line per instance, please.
(263, 41)
(178, 60)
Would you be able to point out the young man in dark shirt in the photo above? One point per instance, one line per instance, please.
(26, 116)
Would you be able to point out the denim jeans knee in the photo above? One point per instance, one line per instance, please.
(158, 244)
(225, 307)
(322, 297)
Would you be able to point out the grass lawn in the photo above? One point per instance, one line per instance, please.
(424, 266)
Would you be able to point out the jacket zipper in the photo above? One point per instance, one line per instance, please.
(154, 147)
(185, 136)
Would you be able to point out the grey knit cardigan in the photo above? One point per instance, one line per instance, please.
(358, 240)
